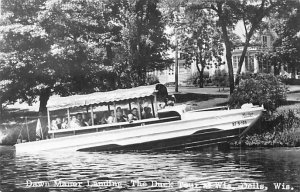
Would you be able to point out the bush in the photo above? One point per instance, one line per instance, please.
(195, 78)
(259, 89)
(221, 78)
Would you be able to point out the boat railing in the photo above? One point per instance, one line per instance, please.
(212, 109)
(109, 127)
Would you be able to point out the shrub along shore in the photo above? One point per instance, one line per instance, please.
(280, 129)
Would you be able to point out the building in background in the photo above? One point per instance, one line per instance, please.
(187, 72)
(251, 63)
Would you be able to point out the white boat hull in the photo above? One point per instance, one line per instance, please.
(195, 129)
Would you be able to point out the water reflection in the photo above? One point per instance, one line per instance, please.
(157, 170)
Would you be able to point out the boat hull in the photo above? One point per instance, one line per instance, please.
(193, 130)
(191, 142)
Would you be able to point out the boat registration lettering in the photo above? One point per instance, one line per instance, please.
(249, 114)
(238, 123)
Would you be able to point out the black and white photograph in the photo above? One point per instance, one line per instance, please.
(150, 95)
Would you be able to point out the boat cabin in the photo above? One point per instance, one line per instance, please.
(104, 111)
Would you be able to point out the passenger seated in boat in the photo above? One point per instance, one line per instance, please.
(130, 118)
(84, 120)
(134, 113)
(65, 123)
(147, 113)
(58, 122)
(111, 118)
(142, 112)
(79, 119)
(96, 120)
(104, 119)
(54, 125)
(120, 117)
(74, 123)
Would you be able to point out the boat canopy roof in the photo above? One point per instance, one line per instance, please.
(103, 98)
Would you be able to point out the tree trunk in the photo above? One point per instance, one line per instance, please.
(109, 55)
(293, 76)
(44, 97)
(201, 80)
(200, 72)
(228, 50)
(242, 58)
(202, 61)
(1, 109)
(230, 69)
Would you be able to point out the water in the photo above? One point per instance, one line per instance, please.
(236, 170)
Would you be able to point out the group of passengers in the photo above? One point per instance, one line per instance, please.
(82, 119)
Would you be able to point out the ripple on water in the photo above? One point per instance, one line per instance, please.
(234, 167)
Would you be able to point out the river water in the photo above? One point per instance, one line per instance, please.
(210, 170)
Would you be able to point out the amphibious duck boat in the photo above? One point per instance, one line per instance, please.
(170, 127)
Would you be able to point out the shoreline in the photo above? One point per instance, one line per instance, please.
(15, 124)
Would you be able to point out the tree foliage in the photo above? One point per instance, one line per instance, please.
(143, 41)
(285, 52)
(201, 40)
(73, 46)
(287, 45)
(24, 49)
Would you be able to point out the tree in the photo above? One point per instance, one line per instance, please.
(74, 46)
(285, 26)
(3, 94)
(201, 40)
(229, 12)
(143, 42)
(174, 16)
(24, 52)
(58, 47)
(287, 45)
(82, 36)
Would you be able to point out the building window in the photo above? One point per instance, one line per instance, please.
(235, 61)
(249, 63)
(182, 56)
(264, 40)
